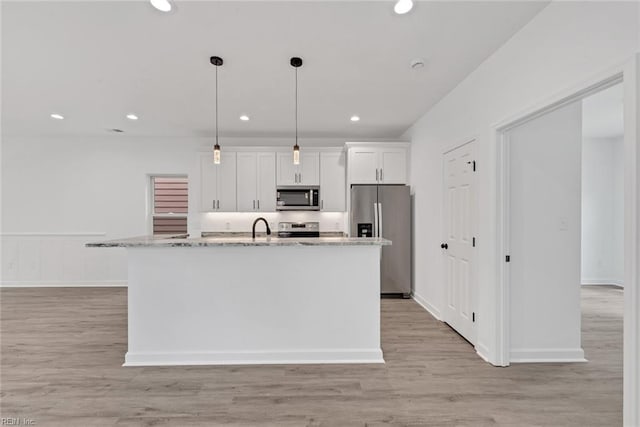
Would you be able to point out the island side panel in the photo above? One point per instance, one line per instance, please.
(254, 305)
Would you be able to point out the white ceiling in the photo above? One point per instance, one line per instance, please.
(94, 62)
(603, 114)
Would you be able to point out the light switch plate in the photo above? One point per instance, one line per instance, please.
(563, 224)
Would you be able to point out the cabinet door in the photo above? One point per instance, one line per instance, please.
(332, 182)
(208, 184)
(286, 170)
(393, 165)
(309, 169)
(363, 165)
(246, 182)
(226, 185)
(266, 182)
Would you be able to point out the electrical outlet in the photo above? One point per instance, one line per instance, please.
(228, 225)
(337, 225)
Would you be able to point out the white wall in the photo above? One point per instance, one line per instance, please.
(58, 194)
(564, 45)
(602, 211)
(544, 231)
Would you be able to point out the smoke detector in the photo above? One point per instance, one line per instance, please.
(417, 64)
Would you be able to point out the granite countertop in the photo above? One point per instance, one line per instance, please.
(181, 241)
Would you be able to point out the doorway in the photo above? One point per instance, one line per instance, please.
(628, 75)
(544, 237)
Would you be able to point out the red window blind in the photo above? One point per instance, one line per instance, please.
(170, 204)
(176, 225)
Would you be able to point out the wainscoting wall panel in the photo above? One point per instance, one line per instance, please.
(60, 259)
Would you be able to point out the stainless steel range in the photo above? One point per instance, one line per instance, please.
(298, 229)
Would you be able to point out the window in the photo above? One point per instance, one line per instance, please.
(169, 195)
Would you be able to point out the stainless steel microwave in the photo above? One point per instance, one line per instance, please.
(294, 198)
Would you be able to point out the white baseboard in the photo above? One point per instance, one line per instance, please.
(551, 355)
(427, 306)
(91, 284)
(483, 352)
(252, 357)
(591, 282)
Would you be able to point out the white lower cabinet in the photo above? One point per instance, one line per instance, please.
(218, 184)
(256, 182)
(333, 181)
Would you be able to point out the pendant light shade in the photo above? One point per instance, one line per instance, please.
(296, 63)
(217, 61)
(216, 154)
(296, 154)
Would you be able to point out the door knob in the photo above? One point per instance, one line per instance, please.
(444, 246)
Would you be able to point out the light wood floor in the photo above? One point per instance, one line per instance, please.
(62, 350)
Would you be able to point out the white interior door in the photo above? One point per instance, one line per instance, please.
(457, 247)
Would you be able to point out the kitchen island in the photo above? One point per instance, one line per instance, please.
(239, 300)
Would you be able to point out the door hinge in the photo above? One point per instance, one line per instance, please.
(473, 316)
(507, 258)
(473, 163)
(473, 242)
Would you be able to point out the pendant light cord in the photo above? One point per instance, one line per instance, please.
(216, 105)
(296, 106)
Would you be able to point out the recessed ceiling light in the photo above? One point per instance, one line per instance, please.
(132, 117)
(403, 6)
(57, 116)
(355, 118)
(244, 118)
(161, 5)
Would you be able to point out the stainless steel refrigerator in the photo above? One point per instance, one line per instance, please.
(385, 211)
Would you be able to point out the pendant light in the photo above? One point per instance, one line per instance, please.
(296, 63)
(217, 61)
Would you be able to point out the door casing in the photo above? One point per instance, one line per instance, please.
(627, 73)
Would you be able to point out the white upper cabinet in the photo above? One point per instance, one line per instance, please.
(377, 164)
(218, 183)
(393, 166)
(256, 182)
(287, 172)
(306, 173)
(266, 183)
(363, 165)
(333, 181)
(247, 175)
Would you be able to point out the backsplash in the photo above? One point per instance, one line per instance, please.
(242, 221)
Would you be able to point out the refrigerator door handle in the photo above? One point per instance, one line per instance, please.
(380, 220)
(375, 220)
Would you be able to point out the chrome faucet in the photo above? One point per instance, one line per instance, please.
(253, 229)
